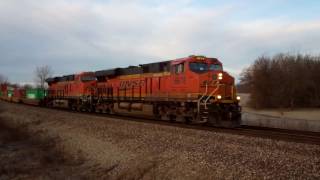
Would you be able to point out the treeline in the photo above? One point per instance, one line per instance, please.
(283, 81)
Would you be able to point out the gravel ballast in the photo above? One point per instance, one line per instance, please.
(120, 149)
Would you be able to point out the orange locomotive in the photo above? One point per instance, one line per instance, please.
(193, 89)
(72, 91)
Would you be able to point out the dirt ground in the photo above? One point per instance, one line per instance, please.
(23, 157)
(91, 147)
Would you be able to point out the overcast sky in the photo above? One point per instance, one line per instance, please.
(82, 35)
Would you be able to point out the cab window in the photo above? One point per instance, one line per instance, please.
(215, 67)
(179, 68)
(198, 67)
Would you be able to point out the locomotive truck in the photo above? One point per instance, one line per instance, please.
(194, 89)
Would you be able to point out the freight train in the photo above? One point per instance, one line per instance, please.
(32, 96)
(194, 89)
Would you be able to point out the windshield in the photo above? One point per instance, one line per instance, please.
(198, 67)
(88, 78)
(215, 67)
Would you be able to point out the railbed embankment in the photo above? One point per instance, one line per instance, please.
(135, 150)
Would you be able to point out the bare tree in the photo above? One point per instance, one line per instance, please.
(27, 86)
(283, 81)
(42, 73)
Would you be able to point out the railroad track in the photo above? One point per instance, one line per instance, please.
(283, 134)
(250, 131)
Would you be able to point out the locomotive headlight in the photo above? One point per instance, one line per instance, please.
(219, 97)
(220, 76)
(238, 98)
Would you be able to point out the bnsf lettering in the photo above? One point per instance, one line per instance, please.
(131, 84)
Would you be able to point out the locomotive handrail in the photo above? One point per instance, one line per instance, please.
(205, 102)
(199, 101)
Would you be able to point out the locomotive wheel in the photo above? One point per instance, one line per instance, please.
(158, 117)
(214, 119)
(188, 120)
(79, 108)
(91, 110)
(172, 118)
(107, 111)
(162, 117)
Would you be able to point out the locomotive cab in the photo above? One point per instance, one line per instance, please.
(72, 91)
(213, 89)
(198, 74)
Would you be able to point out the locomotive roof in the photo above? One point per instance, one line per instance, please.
(156, 67)
(60, 78)
(70, 77)
(142, 68)
(108, 72)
